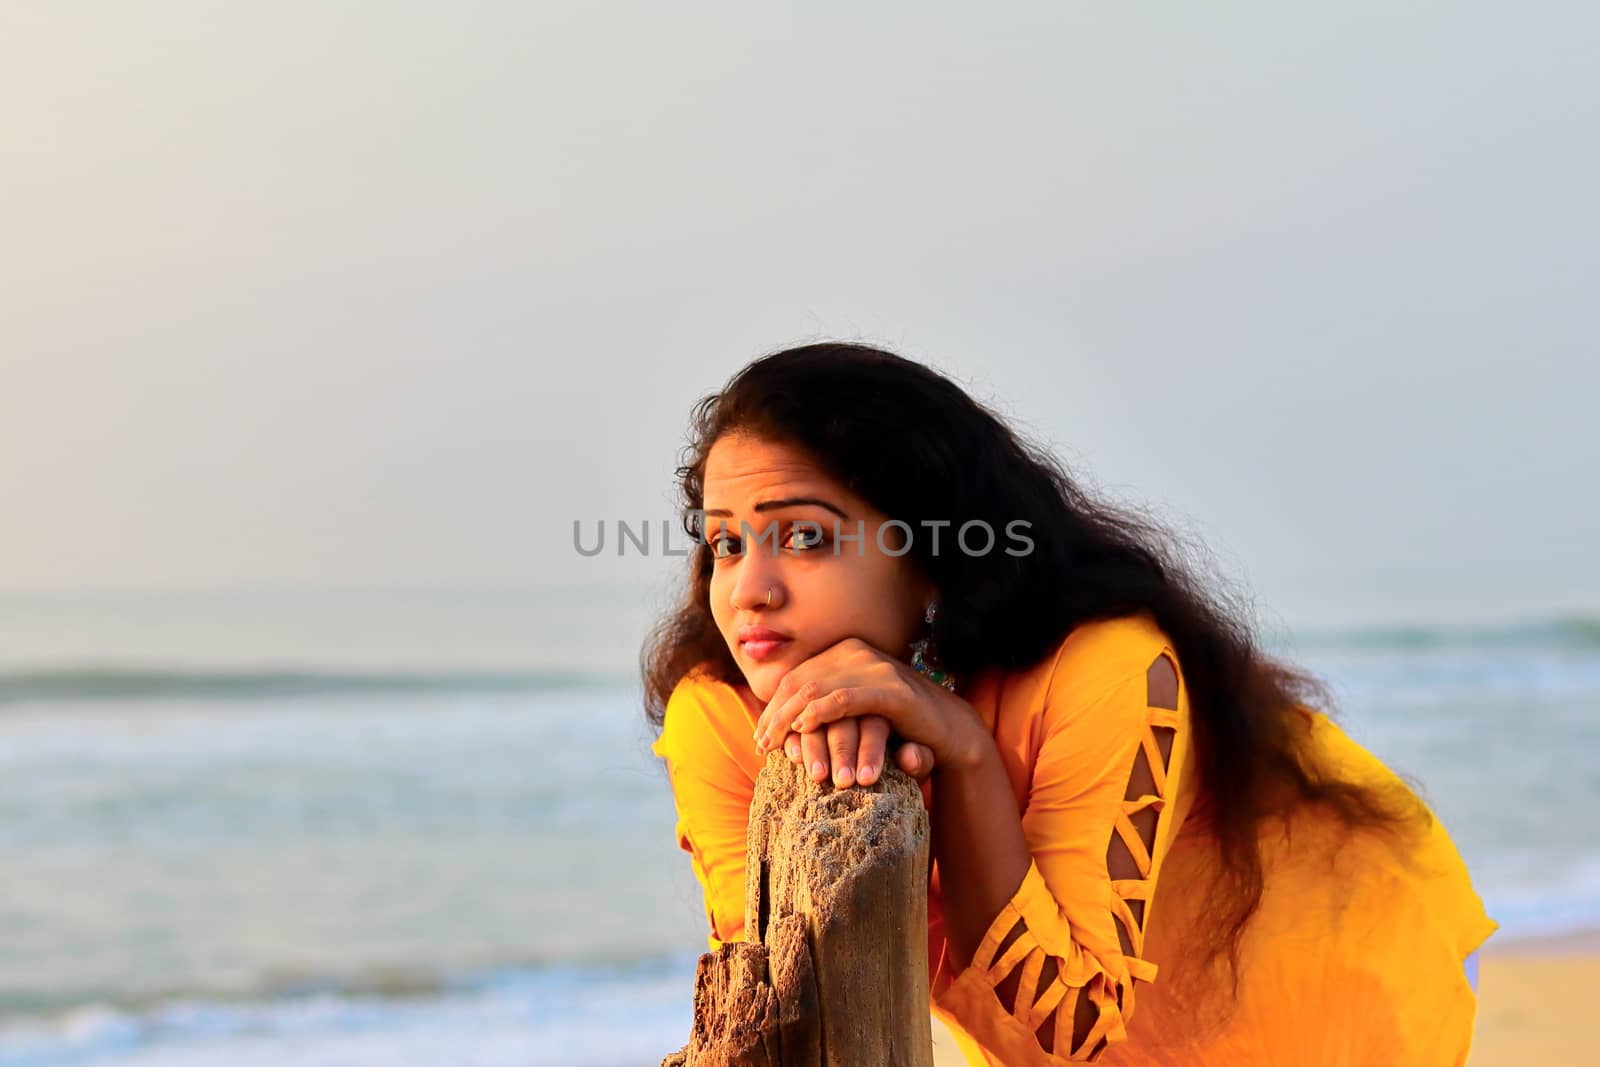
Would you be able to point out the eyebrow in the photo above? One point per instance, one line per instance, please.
(787, 502)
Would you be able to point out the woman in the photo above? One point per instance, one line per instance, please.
(1130, 804)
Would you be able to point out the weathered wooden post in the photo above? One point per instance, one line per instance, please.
(835, 969)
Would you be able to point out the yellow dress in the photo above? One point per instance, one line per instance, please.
(1352, 957)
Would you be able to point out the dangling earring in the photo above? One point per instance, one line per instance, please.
(922, 650)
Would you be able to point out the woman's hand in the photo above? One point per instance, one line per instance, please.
(830, 699)
(837, 751)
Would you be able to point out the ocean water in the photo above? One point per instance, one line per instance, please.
(360, 828)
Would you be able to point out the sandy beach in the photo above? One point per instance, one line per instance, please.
(1536, 1004)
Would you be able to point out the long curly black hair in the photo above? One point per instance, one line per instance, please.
(915, 445)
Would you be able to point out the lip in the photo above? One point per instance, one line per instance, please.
(762, 649)
(758, 642)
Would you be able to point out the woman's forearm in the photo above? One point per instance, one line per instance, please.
(978, 843)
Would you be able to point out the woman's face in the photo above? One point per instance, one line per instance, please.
(822, 590)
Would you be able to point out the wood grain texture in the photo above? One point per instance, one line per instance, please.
(836, 973)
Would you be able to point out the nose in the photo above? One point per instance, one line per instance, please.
(758, 584)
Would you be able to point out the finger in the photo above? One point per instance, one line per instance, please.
(844, 737)
(848, 702)
(791, 747)
(781, 696)
(780, 713)
(915, 759)
(874, 740)
(814, 751)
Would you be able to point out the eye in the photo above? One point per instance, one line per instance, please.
(723, 546)
(805, 537)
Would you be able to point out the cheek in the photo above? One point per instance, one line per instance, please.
(721, 610)
(902, 602)
(872, 601)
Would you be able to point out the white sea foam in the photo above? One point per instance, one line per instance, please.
(575, 1017)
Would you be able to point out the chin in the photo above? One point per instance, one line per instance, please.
(763, 676)
(763, 679)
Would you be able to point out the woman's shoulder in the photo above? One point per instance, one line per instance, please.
(1120, 640)
(704, 709)
(700, 683)
(1102, 653)
(1081, 669)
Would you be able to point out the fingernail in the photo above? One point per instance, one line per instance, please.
(795, 726)
(818, 771)
(867, 773)
(843, 777)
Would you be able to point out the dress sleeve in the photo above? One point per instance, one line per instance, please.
(711, 791)
(1053, 979)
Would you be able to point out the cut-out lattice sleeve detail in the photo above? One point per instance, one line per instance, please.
(1053, 980)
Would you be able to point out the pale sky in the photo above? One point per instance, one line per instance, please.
(372, 293)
